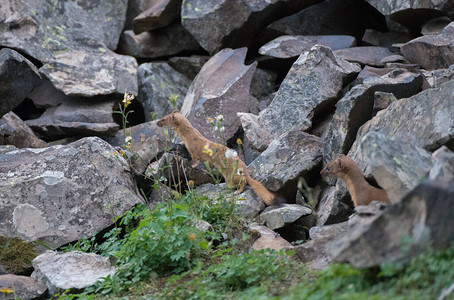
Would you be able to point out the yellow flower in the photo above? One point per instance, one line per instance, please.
(6, 291)
(122, 153)
(115, 153)
(210, 120)
(191, 183)
(207, 150)
(142, 139)
(127, 99)
(239, 141)
(192, 236)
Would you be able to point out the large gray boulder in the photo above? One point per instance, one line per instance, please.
(59, 194)
(356, 107)
(313, 84)
(72, 271)
(424, 120)
(293, 154)
(432, 51)
(221, 88)
(74, 40)
(159, 83)
(231, 23)
(422, 219)
(18, 77)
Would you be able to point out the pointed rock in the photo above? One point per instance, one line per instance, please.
(160, 14)
(221, 88)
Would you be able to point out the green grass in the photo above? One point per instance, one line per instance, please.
(160, 254)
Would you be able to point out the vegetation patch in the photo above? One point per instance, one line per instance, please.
(16, 254)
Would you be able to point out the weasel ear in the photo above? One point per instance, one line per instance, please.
(175, 111)
(341, 155)
(341, 163)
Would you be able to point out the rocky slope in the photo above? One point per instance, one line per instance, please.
(298, 82)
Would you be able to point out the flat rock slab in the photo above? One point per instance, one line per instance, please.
(268, 239)
(59, 194)
(423, 218)
(18, 77)
(368, 55)
(71, 271)
(74, 41)
(222, 87)
(160, 14)
(314, 81)
(165, 41)
(287, 46)
(278, 217)
(432, 51)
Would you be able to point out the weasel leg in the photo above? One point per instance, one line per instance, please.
(195, 163)
(241, 186)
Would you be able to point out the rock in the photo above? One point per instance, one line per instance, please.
(355, 108)
(258, 137)
(382, 100)
(59, 194)
(159, 84)
(368, 55)
(72, 271)
(313, 253)
(188, 66)
(160, 14)
(332, 17)
(411, 14)
(291, 155)
(76, 117)
(74, 42)
(22, 287)
(18, 77)
(435, 26)
(235, 21)
(397, 167)
(423, 120)
(369, 71)
(287, 46)
(263, 84)
(313, 83)
(422, 219)
(247, 204)
(432, 51)
(169, 40)
(221, 88)
(384, 39)
(328, 231)
(45, 95)
(437, 77)
(135, 7)
(13, 131)
(331, 209)
(268, 239)
(278, 217)
(443, 167)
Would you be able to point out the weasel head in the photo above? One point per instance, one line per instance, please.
(335, 167)
(171, 120)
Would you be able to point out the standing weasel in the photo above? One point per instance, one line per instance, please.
(361, 191)
(226, 160)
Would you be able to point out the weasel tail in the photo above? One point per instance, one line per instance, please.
(227, 161)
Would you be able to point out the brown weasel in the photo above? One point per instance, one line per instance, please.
(361, 191)
(224, 159)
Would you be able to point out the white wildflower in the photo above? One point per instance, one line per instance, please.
(230, 153)
(219, 118)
